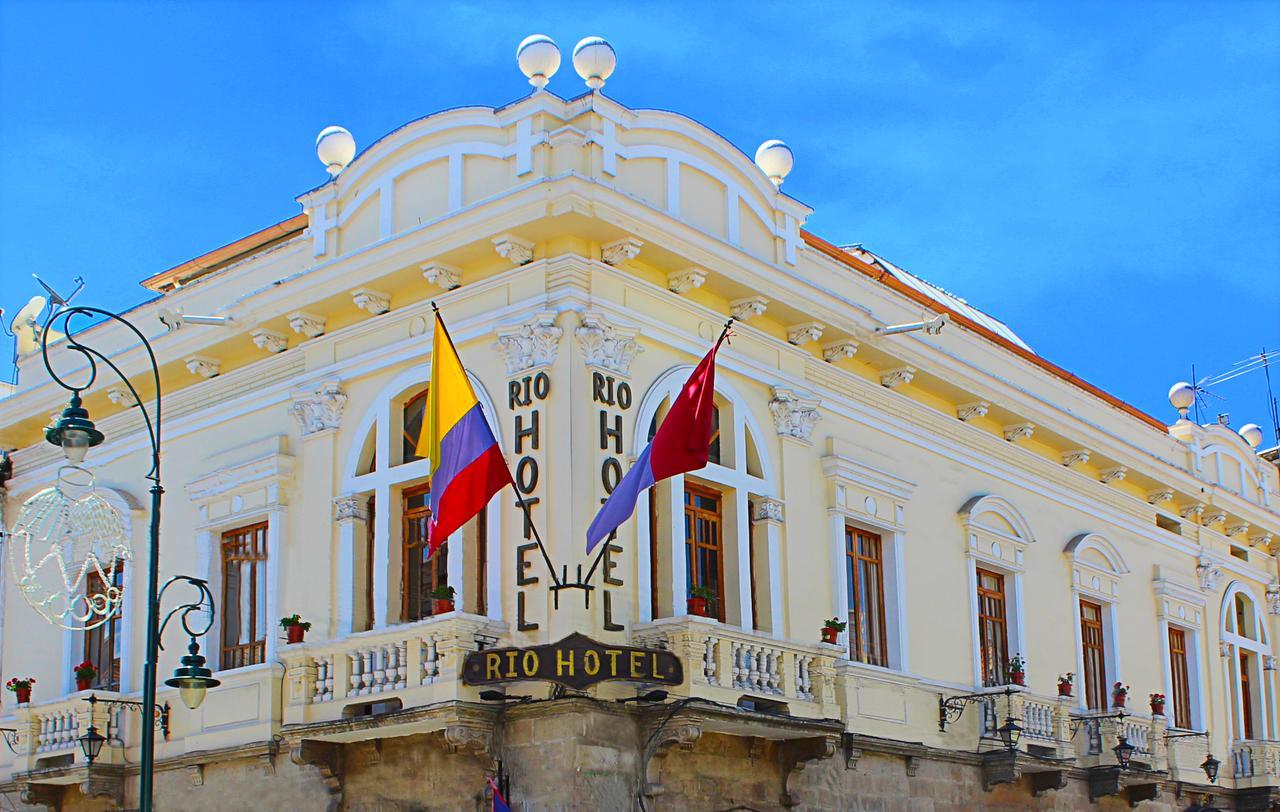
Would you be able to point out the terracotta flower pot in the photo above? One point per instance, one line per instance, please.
(1157, 708)
(294, 633)
(440, 605)
(1064, 689)
(83, 684)
(698, 606)
(829, 634)
(1018, 677)
(1117, 700)
(24, 695)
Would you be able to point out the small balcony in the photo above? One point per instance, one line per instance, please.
(1256, 763)
(382, 671)
(734, 667)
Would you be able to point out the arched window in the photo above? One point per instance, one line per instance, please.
(696, 531)
(996, 538)
(1096, 569)
(1248, 665)
(387, 576)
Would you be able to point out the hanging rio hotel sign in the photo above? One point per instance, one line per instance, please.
(577, 662)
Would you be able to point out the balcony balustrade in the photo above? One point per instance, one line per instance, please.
(48, 733)
(725, 664)
(1255, 763)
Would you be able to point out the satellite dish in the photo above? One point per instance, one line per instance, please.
(25, 326)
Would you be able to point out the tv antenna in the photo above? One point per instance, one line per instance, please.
(1262, 361)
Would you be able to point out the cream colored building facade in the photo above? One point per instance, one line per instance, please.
(585, 255)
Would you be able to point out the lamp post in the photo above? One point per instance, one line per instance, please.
(76, 434)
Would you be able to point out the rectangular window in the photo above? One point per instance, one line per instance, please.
(1246, 694)
(1180, 678)
(1095, 658)
(704, 551)
(102, 645)
(993, 628)
(864, 573)
(421, 575)
(244, 596)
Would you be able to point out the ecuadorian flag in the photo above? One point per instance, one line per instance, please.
(467, 468)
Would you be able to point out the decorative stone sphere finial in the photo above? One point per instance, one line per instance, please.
(775, 159)
(539, 59)
(335, 147)
(1252, 434)
(1182, 396)
(594, 60)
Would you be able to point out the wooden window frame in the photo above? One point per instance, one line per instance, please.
(855, 561)
(404, 431)
(439, 566)
(1180, 677)
(251, 541)
(691, 546)
(993, 673)
(106, 636)
(1096, 687)
(1243, 659)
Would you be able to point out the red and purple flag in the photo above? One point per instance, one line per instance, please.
(681, 444)
(499, 803)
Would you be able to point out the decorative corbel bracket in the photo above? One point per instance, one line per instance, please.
(683, 735)
(796, 754)
(327, 757)
(47, 795)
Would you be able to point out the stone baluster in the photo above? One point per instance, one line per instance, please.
(402, 668)
(431, 661)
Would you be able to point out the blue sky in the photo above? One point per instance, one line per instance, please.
(1105, 177)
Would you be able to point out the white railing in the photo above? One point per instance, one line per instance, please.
(1256, 759)
(1137, 732)
(423, 657)
(1038, 718)
(730, 662)
(57, 729)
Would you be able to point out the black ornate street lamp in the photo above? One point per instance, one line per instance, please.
(1124, 752)
(1210, 767)
(1010, 732)
(76, 434)
(92, 741)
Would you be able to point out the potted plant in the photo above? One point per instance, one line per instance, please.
(832, 628)
(701, 598)
(1065, 681)
(85, 673)
(442, 599)
(22, 687)
(1018, 670)
(1157, 704)
(1119, 694)
(294, 628)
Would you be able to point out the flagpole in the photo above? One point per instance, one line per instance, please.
(528, 517)
(596, 563)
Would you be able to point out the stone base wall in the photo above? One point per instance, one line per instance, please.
(584, 755)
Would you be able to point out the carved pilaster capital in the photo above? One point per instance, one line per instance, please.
(1207, 573)
(794, 416)
(768, 510)
(530, 345)
(307, 324)
(374, 301)
(350, 509)
(968, 411)
(748, 308)
(619, 251)
(510, 247)
(1273, 597)
(607, 345)
(444, 276)
(321, 409)
(269, 340)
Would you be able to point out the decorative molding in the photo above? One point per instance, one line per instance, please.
(796, 753)
(839, 351)
(1224, 649)
(320, 410)
(801, 333)
(307, 324)
(1019, 431)
(268, 471)
(620, 251)
(606, 345)
(441, 275)
(468, 738)
(683, 734)
(848, 473)
(1263, 540)
(511, 247)
(794, 416)
(898, 376)
(195, 774)
(1192, 511)
(269, 340)
(968, 411)
(1213, 516)
(1115, 474)
(1236, 529)
(204, 366)
(748, 308)
(374, 301)
(1159, 495)
(768, 510)
(350, 508)
(1273, 597)
(121, 396)
(530, 345)
(1076, 456)
(1208, 573)
(1268, 662)
(686, 280)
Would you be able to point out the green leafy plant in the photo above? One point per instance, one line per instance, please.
(20, 684)
(86, 670)
(835, 623)
(706, 593)
(444, 592)
(294, 620)
(1068, 678)
(1017, 663)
